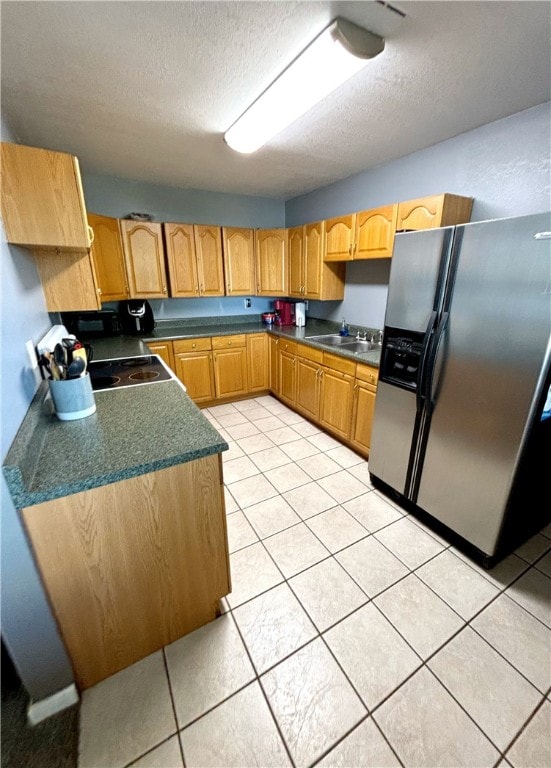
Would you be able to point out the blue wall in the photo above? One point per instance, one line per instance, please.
(504, 165)
(28, 628)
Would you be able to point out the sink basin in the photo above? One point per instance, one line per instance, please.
(331, 339)
(360, 346)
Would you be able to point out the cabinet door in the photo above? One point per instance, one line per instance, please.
(210, 269)
(230, 372)
(296, 262)
(257, 362)
(362, 418)
(164, 350)
(313, 259)
(375, 233)
(194, 369)
(336, 401)
(239, 270)
(435, 211)
(108, 258)
(339, 238)
(145, 259)
(42, 199)
(182, 264)
(287, 376)
(271, 262)
(308, 387)
(274, 364)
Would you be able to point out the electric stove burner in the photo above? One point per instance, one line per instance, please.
(127, 372)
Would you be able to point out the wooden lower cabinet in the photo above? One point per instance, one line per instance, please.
(337, 389)
(287, 371)
(258, 371)
(308, 381)
(193, 366)
(165, 351)
(136, 552)
(230, 372)
(274, 364)
(365, 390)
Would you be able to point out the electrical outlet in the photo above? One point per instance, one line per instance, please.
(247, 303)
(33, 361)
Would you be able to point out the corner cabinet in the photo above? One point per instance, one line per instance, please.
(43, 210)
(165, 351)
(271, 262)
(309, 276)
(108, 258)
(239, 266)
(145, 259)
(257, 362)
(435, 211)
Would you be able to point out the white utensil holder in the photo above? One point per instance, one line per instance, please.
(73, 398)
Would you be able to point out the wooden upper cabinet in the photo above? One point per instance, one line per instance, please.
(339, 238)
(239, 268)
(295, 242)
(145, 259)
(42, 199)
(435, 211)
(375, 231)
(210, 269)
(271, 262)
(181, 260)
(108, 258)
(322, 280)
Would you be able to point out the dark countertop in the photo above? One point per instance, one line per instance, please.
(135, 430)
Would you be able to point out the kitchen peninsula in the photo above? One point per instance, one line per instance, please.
(125, 514)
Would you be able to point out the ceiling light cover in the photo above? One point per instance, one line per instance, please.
(340, 51)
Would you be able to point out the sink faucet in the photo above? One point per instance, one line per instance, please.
(359, 337)
(377, 337)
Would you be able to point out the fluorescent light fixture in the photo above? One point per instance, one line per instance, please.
(336, 54)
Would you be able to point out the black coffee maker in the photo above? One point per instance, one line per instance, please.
(136, 317)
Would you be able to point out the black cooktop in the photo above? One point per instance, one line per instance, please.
(127, 372)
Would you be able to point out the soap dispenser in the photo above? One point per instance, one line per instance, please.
(344, 328)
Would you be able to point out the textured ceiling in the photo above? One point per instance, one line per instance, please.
(145, 90)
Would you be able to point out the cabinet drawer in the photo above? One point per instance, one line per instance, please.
(223, 342)
(339, 364)
(290, 347)
(309, 353)
(368, 374)
(192, 345)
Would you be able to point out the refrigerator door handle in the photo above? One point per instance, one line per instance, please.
(429, 394)
(424, 367)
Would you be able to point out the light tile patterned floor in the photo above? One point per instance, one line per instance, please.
(354, 636)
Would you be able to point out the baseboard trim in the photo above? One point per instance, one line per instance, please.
(51, 705)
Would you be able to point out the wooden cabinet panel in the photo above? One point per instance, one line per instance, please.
(68, 280)
(136, 552)
(257, 362)
(194, 369)
(434, 211)
(164, 350)
(375, 231)
(201, 344)
(239, 266)
(274, 363)
(145, 261)
(108, 258)
(296, 262)
(287, 371)
(271, 262)
(308, 387)
(223, 342)
(230, 372)
(210, 269)
(339, 238)
(336, 401)
(42, 199)
(181, 259)
(313, 260)
(362, 419)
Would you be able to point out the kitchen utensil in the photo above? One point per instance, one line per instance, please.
(76, 368)
(60, 358)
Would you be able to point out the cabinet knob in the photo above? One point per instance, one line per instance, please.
(196, 289)
(164, 289)
(193, 346)
(229, 343)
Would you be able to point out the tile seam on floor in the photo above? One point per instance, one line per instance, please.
(173, 703)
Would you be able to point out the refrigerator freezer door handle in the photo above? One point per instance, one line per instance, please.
(425, 367)
(429, 394)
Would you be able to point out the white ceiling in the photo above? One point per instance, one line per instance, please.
(145, 90)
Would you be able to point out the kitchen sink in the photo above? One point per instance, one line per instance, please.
(331, 339)
(360, 346)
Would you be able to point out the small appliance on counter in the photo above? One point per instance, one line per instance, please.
(86, 324)
(268, 318)
(136, 317)
(285, 312)
(300, 314)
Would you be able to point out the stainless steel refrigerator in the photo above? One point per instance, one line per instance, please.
(460, 427)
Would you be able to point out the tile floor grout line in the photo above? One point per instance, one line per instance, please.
(173, 703)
